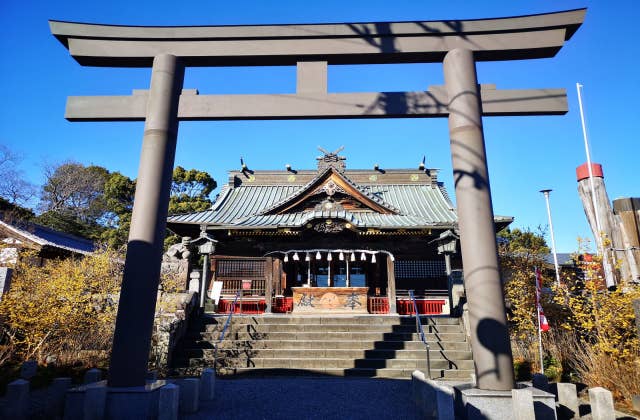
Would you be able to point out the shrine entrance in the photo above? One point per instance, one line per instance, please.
(332, 268)
(334, 281)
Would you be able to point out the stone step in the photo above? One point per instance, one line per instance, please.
(328, 353)
(333, 319)
(451, 374)
(327, 344)
(331, 335)
(344, 327)
(368, 346)
(358, 363)
(307, 363)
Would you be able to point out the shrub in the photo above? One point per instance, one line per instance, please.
(63, 309)
(599, 339)
(64, 312)
(552, 369)
(593, 337)
(522, 369)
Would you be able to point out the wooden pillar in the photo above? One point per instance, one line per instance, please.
(391, 285)
(268, 288)
(376, 278)
(277, 275)
(283, 279)
(212, 269)
(627, 212)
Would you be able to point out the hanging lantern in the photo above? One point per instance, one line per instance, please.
(307, 257)
(341, 256)
(329, 257)
(318, 256)
(363, 257)
(286, 257)
(373, 258)
(353, 256)
(296, 257)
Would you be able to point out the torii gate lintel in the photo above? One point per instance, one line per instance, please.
(431, 103)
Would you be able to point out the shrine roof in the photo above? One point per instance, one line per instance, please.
(42, 236)
(363, 199)
(421, 206)
(418, 201)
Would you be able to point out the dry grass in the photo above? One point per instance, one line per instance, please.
(594, 368)
(525, 353)
(583, 362)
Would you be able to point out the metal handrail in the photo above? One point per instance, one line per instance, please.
(226, 325)
(420, 332)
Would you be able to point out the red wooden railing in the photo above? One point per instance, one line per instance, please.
(375, 305)
(378, 305)
(425, 306)
(243, 306)
(282, 304)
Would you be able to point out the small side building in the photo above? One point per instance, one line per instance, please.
(331, 239)
(46, 242)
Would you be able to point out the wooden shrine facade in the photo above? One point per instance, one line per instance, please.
(279, 231)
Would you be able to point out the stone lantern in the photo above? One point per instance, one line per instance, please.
(206, 246)
(447, 244)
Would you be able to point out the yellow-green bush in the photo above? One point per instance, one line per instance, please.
(593, 338)
(62, 311)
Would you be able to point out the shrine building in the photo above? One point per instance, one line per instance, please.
(331, 240)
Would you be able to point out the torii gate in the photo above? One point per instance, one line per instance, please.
(458, 44)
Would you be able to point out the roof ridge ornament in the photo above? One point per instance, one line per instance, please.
(331, 160)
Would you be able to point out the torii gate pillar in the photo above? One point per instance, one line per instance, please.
(487, 315)
(134, 323)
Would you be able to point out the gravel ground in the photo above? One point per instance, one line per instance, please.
(309, 398)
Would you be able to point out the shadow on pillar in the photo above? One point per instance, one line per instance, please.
(136, 310)
(487, 330)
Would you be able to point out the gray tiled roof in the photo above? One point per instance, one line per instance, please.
(564, 258)
(419, 206)
(45, 236)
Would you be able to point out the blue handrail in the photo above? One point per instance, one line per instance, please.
(420, 332)
(226, 325)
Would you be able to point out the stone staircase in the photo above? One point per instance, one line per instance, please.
(367, 346)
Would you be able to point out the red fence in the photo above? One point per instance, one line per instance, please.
(375, 305)
(245, 306)
(425, 306)
(282, 305)
(378, 305)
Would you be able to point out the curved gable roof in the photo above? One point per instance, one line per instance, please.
(253, 206)
(330, 174)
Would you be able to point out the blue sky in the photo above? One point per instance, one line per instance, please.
(525, 154)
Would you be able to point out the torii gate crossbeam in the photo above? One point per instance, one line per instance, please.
(458, 44)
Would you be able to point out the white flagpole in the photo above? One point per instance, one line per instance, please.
(538, 316)
(586, 147)
(540, 340)
(553, 237)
